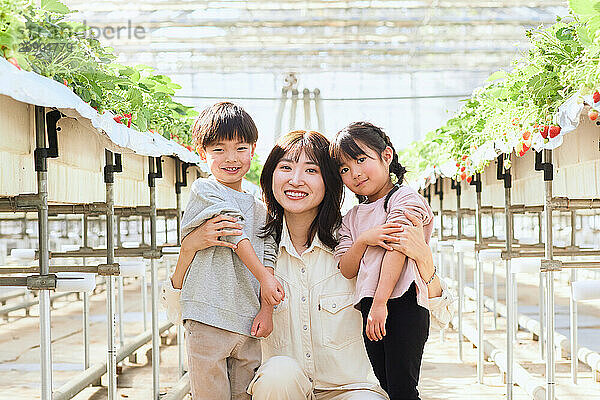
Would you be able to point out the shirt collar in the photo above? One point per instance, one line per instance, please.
(286, 242)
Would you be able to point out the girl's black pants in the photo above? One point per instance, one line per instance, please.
(396, 359)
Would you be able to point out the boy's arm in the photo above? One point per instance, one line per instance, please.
(270, 289)
(186, 255)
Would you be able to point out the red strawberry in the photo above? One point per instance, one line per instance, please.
(118, 118)
(463, 176)
(596, 96)
(462, 169)
(14, 62)
(521, 153)
(457, 165)
(526, 135)
(554, 131)
(544, 131)
(464, 158)
(469, 179)
(65, 82)
(593, 115)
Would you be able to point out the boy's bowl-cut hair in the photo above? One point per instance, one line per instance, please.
(224, 121)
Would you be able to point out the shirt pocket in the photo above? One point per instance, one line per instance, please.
(340, 321)
(279, 338)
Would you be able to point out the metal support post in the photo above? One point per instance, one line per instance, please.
(152, 175)
(461, 273)
(573, 309)
(479, 279)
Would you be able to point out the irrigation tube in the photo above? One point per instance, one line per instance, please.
(180, 390)
(534, 387)
(93, 374)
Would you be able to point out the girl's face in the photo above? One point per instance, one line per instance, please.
(298, 185)
(369, 174)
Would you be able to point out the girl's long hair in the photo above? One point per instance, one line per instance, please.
(344, 145)
(316, 148)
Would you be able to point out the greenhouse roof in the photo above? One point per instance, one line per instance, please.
(309, 36)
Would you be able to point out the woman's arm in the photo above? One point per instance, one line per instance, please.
(203, 237)
(411, 242)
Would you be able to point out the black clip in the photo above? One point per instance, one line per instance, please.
(544, 166)
(110, 168)
(47, 122)
(181, 175)
(153, 175)
(476, 181)
(439, 188)
(455, 185)
(501, 174)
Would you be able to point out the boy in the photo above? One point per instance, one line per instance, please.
(222, 292)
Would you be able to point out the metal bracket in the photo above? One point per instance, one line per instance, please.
(476, 181)
(110, 168)
(439, 188)
(183, 171)
(501, 174)
(109, 269)
(155, 254)
(47, 122)
(41, 282)
(153, 175)
(551, 265)
(543, 166)
(455, 185)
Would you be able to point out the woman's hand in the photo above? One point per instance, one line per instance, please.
(410, 240)
(381, 235)
(208, 234)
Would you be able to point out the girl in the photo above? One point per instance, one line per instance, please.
(390, 293)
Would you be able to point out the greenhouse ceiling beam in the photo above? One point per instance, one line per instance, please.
(111, 5)
(236, 63)
(349, 50)
(312, 22)
(257, 41)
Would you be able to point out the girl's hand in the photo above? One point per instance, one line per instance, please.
(263, 322)
(379, 235)
(375, 329)
(207, 234)
(271, 291)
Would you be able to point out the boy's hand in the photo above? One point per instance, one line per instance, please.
(271, 290)
(263, 322)
(375, 329)
(379, 235)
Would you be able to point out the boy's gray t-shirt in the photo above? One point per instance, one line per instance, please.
(218, 289)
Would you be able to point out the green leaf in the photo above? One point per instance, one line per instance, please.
(496, 75)
(584, 8)
(55, 6)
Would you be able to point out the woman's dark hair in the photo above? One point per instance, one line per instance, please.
(316, 148)
(345, 145)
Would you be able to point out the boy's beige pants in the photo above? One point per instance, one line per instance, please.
(221, 363)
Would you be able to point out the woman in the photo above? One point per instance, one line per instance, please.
(315, 350)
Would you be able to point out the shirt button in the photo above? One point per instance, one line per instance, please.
(303, 299)
(307, 355)
(333, 305)
(310, 379)
(303, 270)
(305, 327)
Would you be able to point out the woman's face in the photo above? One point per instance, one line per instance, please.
(298, 185)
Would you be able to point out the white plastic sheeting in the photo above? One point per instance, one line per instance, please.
(31, 88)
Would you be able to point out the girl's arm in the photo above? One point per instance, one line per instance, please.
(391, 268)
(377, 236)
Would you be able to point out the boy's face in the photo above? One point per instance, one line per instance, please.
(229, 161)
